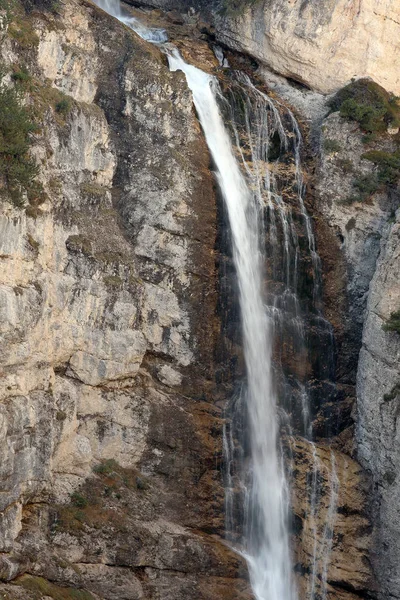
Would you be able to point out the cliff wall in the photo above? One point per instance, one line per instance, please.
(367, 240)
(320, 44)
(113, 371)
(108, 326)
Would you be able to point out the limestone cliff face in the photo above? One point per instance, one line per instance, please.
(367, 239)
(378, 408)
(113, 372)
(322, 44)
(107, 303)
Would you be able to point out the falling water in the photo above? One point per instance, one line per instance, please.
(267, 548)
(113, 8)
(256, 122)
(265, 248)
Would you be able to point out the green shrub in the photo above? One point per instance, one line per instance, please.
(17, 169)
(331, 146)
(366, 185)
(369, 104)
(393, 323)
(113, 281)
(22, 31)
(7, 6)
(21, 76)
(93, 189)
(106, 467)
(78, 500)
(388, 165)
(79, 244)
(50, 5)
(394, 392)
(345, 164)
(235, 8)
(369, 117)
(41, 588)
(368, 138)
(64, 105)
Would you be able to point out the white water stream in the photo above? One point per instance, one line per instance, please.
(267, 549)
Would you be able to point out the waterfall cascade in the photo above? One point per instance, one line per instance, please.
(256, 150)
(267, 544)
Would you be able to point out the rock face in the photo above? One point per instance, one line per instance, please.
(331, 523)
(323, 44)
(113, 370)
(107, 303)
(367, 234)
(378, 393)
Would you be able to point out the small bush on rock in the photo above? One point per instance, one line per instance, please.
(345, 165)
(50, 5)
(21, 76)
(106, 467)
(394, 392)
(331, 146)
(366, 185)
(388, 165)
(393, 323)
(369, 104)
(78, 500)
(64, 105)
(235, 8)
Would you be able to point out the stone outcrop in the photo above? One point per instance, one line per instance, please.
(320, 44)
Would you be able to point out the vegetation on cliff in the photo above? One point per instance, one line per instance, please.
(388, 165)
(235, 8)
(393, 323)
(377, 112)
(17, 168)
(369, 104)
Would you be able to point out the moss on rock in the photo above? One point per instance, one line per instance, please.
(41, 587)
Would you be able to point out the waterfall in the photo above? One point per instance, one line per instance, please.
(267, 544)
(248, 134)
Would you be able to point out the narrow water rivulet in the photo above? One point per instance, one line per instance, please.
(247, 134)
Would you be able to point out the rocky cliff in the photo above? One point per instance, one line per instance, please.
(109, 471)
(320, 44)
(120, 345)
(367, 238)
